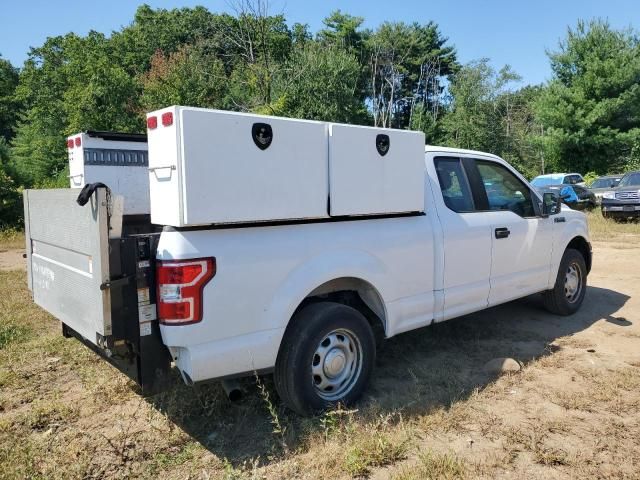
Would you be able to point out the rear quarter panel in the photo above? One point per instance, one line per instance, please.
(263, 273)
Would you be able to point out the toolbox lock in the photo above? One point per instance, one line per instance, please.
(383, 143)
(262, 135)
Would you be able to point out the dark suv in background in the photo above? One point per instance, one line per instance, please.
(602, 185)
(623, 202)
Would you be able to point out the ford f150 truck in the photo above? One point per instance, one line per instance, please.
(286, 284)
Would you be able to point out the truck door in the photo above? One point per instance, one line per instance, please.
(522, 239)
(466, 238)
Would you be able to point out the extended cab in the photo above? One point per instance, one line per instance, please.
(300, 297)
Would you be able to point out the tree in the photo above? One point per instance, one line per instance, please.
(474, 121)
(185, 77)
(38, 149)
(8, 103)
(486, 113)
(320, 83)
(161, 29)
(10, 197)
(259, 43)
(343, 31)
(591, 108)
(71, 83)
(406, 65)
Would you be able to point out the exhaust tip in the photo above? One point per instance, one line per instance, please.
(232, 389)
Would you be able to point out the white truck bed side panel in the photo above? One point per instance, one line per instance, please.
(263, 273)
(363, 182)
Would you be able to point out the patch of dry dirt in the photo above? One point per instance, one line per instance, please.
(11, 259)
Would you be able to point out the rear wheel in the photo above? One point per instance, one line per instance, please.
(571, 285)
(326, 358)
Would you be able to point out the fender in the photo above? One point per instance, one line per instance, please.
(318, 270)
(575, 227)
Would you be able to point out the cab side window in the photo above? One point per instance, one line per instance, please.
(454, 185)
(504, 190)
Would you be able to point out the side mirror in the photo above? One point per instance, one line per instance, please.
(551, 204)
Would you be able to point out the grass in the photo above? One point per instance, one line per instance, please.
(430, 413)
(376, 450)
(606, 229)
(434, 466)
(11, 238)
(18, 314)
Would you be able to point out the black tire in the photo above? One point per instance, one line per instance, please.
(299, 353)
(560, 299)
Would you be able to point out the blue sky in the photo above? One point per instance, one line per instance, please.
(514, 32)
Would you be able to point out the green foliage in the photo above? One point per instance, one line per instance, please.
(589, 177)
(8, 104)
(342, 30)
(164, 30)
(488, 115)
(320, 83)
(185, 77)
(394, 75)
(10, 199)
(407, 65)
(591, 108)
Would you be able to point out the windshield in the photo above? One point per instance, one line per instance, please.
(630, 180)
(546, 181)
(604, 182)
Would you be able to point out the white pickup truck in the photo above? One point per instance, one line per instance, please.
(303, 298)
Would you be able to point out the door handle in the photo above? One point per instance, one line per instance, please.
(502, 232)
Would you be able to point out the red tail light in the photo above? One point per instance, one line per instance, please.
(152, 122)
(78, 142)
(70, 143)
(167, 119)
(180, 286)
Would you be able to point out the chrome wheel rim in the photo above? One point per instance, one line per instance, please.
(336, 364)
(573, 282)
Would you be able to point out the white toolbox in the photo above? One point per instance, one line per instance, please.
(215, 167)
(375, 170)
(119, 160)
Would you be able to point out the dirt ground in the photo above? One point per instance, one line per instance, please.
(11, 259)
(573, 411)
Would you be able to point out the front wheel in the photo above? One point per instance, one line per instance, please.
(566, 297)
(326, 357)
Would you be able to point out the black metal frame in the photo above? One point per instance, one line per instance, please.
(144, 359)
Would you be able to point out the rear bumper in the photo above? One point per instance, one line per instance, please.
(235, 356)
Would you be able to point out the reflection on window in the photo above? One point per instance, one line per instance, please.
(504, 190)
(453, 183)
